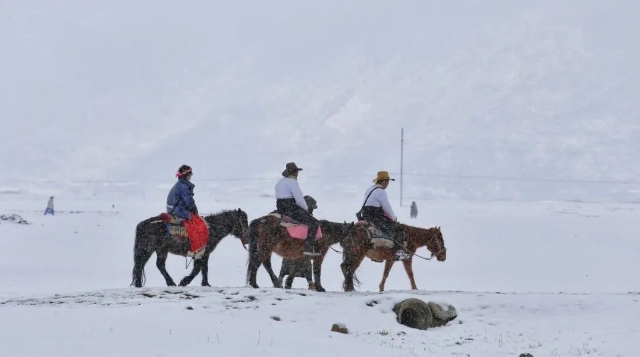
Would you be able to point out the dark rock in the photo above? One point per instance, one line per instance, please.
(421, 315)
(341, 328)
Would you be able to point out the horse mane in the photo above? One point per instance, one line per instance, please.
(430, 229)
(221, 216)
(331, 227)
(422, 235)
(219, 213)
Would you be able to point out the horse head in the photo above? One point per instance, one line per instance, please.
(336, 232)
(439, 250)
(311, 203)
(429, 237)
(347, 227)
(240, 224)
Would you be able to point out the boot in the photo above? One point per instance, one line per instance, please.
(309, 246)
(401, 255)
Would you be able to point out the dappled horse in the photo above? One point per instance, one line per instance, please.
(267, 235)
(357, 249)
(152, 236)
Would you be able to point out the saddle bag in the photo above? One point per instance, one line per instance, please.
(359, 213)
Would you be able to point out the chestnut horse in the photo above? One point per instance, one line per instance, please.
(267, 236)
(152, 236)
(357, 249)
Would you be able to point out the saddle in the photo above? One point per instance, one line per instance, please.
(175, 226)
(195, 231)
(294, 228)
(379, 239)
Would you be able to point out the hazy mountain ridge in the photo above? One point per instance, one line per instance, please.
(506, 91)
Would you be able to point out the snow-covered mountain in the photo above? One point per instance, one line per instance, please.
(498, 99)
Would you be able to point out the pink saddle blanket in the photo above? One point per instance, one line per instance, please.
(295, 229)
(299, 231)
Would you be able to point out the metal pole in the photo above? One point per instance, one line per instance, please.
(401, 160)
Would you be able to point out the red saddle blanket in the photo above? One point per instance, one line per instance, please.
(197, 231)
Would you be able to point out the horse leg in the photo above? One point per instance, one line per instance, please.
(140, 259)
(388, 264)
(267, 266)
(256, 259)
(408, 267)
(317, 266)
(204, 270)
(289, 282)
(197, 266)
(161, 260)
(290, 275)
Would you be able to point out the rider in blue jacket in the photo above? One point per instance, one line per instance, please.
(180, 202)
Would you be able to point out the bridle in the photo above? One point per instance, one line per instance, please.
(233, 230)
(433, 255)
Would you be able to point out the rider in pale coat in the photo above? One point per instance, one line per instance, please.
(290, 202)
(377, 210)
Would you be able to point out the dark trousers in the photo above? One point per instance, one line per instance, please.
(376, 216)
(289, 208)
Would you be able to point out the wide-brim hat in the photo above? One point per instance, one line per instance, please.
(382, 176)
(290, 169)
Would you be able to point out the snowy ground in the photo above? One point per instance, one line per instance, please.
(546, 278)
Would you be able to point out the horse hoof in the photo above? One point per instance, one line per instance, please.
(255, 286)
(171, 283)
(287, 286)
(206, 284)
(320, 289)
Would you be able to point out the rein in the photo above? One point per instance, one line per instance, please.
(342, 236)
(433, 255)
(233, 229)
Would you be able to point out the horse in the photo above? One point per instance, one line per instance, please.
(355, 251)
(152, 236)
(267, 236)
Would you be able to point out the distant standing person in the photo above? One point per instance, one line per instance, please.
(49, 209)
(414, 209)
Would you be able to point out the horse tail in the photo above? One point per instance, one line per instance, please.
(356, 281)
(140, 254)
(253, 258)
(347, 266)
